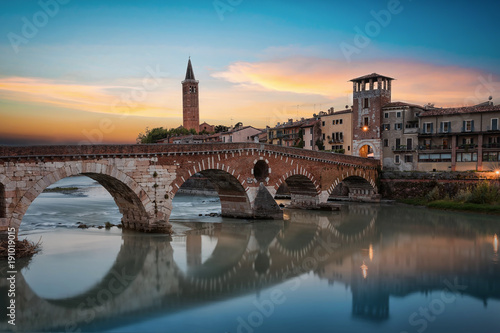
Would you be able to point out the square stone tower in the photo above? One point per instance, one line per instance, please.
(370, 93)
(190, 100)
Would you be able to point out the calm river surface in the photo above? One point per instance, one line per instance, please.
(367, 268)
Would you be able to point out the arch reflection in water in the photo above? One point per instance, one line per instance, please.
(410, 254)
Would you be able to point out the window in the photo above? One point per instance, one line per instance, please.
(386, 115)
(396, 159)
(468, 126)
(311, 131)
(445, 144)
(348, 148)
(398, 126)
(445, 127)
(409, 143)
(323, 123)
(408, 158)
(494, 124)
(366, 121)
(336, 122)
(466, 157)
(445, 157)
(341, 136)
(366, 103)
(323, 136)
(386, 127)
(491, 157)
(398, 143)
(428, 127)
(386, 143)
(398, 114)
(340, 122)
(311, 143)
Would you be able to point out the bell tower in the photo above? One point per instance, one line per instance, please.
(190, 100)
(370, 93)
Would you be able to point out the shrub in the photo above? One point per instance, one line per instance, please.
(433, 195)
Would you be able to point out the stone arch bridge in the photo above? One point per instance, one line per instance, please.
(143, 179)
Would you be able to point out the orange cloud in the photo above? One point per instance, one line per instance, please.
(416, 82)
(112, 99)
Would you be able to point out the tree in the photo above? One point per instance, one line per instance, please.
(320, 145)
(238, 125)
(152, 135)
(221, 128)
(300, 143)
(158, 133)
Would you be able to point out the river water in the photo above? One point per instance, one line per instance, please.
(367, 268)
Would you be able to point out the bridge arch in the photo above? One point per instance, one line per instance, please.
(234, 199)
(132, 201)
(354, 186)
(303, 190)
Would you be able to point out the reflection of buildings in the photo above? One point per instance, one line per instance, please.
(251, 257)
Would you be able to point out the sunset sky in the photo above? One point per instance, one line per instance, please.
(89, 71)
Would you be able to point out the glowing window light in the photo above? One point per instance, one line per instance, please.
(364, 269)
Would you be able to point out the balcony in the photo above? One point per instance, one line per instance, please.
(492, 129)
(403, 148)
(425, 131)
(434, 147)
(333, 141)
(467, 130)
(467, 146)
(491, 145)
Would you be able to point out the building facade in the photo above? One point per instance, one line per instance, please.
(242, 134)
(336, 130)
(370, 93)
(190, 100)
(459, 139)
(400, 136)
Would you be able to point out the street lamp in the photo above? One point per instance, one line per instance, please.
(365, 128)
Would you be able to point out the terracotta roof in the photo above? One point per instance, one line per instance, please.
(310, 122)
(240, 129)
(338, 112)
(399, 104)
(371, 76)
(462, 110)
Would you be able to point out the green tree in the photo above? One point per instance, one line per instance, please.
(152, 135)
(320, 145)
(221, 128)
(300, 143)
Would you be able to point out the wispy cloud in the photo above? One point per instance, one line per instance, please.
(122, 99)
(417, 82)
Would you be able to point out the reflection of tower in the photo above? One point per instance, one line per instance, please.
(370, 93)
(370, 300)
(193, 249)
(190, 101)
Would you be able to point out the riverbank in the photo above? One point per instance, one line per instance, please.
(454, 206)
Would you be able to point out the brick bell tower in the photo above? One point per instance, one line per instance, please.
(190, 100)
(370, 93)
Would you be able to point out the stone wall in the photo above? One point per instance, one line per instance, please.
(407, 185)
